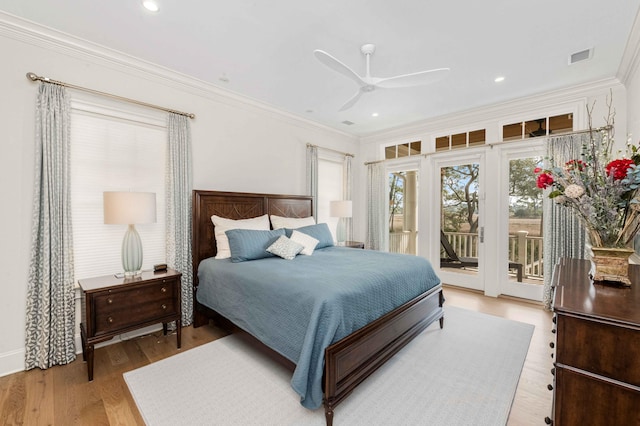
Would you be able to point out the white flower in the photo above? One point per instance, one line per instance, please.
(560, 199)
(574, 191)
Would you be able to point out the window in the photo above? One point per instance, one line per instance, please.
(330, 178)
(403, 150)
(461, 140)
(538, 127)
(112, 150)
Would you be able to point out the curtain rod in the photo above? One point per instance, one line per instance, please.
(33, 77)
(333, 150)
(608, 127)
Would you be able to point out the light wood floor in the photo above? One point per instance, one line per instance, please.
(62, 396)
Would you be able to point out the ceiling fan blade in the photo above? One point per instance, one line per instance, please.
(351, 102)
(337, 66)
(414, 79)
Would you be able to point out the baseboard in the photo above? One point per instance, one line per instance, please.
(13, 361)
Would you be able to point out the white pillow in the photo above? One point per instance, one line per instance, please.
(291, 222)
(307, 241)
(285, 248)
(223, 224)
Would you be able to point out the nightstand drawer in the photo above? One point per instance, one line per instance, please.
(116, 309)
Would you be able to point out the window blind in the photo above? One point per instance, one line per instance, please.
(112, 153)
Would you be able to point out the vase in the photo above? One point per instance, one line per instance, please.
(611, 265)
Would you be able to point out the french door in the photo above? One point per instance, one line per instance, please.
(459, 183)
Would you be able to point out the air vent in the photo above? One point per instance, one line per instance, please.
(580, 56)
(347, 122)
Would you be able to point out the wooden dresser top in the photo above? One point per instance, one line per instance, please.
(576, 294)
(106, 281)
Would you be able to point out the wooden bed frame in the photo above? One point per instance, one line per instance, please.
(349, 361)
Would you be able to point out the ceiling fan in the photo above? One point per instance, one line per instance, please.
(369, 83)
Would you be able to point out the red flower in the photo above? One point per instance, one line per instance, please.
(575, 165)
(544, 180)
(537, 170)
(618, 168)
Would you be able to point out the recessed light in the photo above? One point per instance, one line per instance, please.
(375, 114)
(499, 79)
(150, 5)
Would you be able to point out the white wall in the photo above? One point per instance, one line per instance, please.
(238, 144)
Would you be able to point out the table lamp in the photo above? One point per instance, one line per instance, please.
(341, 209)
(130, 208)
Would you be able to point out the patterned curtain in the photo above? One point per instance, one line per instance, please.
(564, 235)
(312, 176)
(347, 185)
(179, 184)
(50, 288)
(377, 204)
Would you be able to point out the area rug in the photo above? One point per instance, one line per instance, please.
(464, 374)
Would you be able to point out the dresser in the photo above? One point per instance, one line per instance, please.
(597, 349)
(112, 306)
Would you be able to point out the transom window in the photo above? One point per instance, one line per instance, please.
(539, 127)
(402, 150)
(461, 140)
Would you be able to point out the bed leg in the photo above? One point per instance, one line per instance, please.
(328, 414)
(442, 322)
(199, 318)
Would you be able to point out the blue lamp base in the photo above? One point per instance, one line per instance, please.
(131, 252)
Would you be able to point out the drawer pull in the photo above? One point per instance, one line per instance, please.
(163, 289)
(548, 420)
(553, 331)
(110, 320)
(552, 345)
(109, 300)
(164, 306)
(553, 371)
(554, 319)
(550, 387)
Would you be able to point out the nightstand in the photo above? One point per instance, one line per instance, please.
(112, 306)
(352, 244)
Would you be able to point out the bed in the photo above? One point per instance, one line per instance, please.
(345, 361)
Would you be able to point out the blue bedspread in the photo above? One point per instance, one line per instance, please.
(299, 307)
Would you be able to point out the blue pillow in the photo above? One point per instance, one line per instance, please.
(251, 244)
(320, 232)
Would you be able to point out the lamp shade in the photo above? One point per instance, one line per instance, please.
(126, 208)
(341, 208)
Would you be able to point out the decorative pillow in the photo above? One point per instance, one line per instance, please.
(285, 248)
(251, 244)
(307, 241)
(320, 232)
(278, 222)
(223, 224)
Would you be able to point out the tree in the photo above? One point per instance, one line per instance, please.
(396, 196)
(524, 195)
(460, 196)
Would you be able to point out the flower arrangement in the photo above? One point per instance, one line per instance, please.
(602, 191)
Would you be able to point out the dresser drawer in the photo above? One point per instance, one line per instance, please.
(583, 399)
(117, 309)
(599, 347)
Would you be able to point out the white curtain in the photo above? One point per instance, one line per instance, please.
(377, 207)
(179, 182)
(312, 177)
(50, 323)
(564, 235)
(347, 185)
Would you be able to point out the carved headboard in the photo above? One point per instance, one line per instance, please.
(237, 205)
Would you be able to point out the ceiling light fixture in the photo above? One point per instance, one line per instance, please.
(150, 5)
(375, 114)
(499, 79)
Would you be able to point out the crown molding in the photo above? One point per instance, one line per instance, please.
(494, 112)
(631, 56)
(29, 32)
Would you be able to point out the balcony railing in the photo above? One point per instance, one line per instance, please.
(523, 249)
